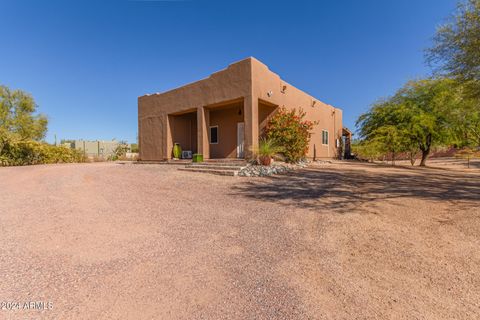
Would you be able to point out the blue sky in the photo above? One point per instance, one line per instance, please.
(86, 62)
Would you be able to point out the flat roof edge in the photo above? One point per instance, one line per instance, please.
(203, 79)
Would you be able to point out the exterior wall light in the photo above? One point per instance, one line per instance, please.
(313, 103)
(270, 93)
(284, 88)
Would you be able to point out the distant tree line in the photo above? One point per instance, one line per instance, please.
(441, 110)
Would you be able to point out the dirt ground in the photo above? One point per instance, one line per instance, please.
(334, 241)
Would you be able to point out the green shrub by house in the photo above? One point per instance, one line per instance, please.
(268, 149)
(120, 151)
(290, 131)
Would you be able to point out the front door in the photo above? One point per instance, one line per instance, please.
(240, 139)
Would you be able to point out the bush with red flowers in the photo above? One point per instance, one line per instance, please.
(290, 130)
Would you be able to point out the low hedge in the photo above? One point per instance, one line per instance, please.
(21, 153)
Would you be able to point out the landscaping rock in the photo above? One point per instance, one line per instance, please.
(255, 170)
(323, 162)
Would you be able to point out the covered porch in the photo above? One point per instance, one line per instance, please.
(183, 130)
(346, 141)
(227, 130)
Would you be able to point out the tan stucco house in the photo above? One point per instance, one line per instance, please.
(223, 115)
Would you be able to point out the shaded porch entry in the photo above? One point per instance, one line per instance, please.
(265, 111)
(226, 130)
(346, 142)
(183, 130)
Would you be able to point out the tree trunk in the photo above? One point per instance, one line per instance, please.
(393, 158)
(425, 150)
(413, 157)
(424, 157)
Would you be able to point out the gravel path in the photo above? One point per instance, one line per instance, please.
(339, 241)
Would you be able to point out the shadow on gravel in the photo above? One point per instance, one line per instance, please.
(344, 189)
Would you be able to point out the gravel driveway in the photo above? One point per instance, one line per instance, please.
(339, 241)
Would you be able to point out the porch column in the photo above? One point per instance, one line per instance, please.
(203, 122)
(167, 133)
(251, 125)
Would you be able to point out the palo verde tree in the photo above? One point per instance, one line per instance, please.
(426, 118)
(415, 118)
(456, 48)
(464, 120)
(444, 110)
(456, 54)
(383, 128)
(367, 149)
(390, 139)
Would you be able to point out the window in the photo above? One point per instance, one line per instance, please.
(325, 137)
(214, 135)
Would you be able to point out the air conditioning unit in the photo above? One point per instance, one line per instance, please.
(186, 154)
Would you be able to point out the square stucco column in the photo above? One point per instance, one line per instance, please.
(251, 125)
(203, 123)
(168, 146)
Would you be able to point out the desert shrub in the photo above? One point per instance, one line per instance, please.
(134, 148)
(268, 149)
(119, 152)
(289, 130)
(19, 153)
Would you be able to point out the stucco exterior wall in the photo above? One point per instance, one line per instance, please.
(154, 131)
(268, 86)
(248, 81)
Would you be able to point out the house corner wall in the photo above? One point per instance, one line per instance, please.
(270, 89)
(155, 141)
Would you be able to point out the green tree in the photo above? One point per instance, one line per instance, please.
(367, 150)
(456, 48)
(385, 128)
(420, 113)
(120, 151)
(391, 139)
(18, 118)
(465, 122)
(433, 104)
